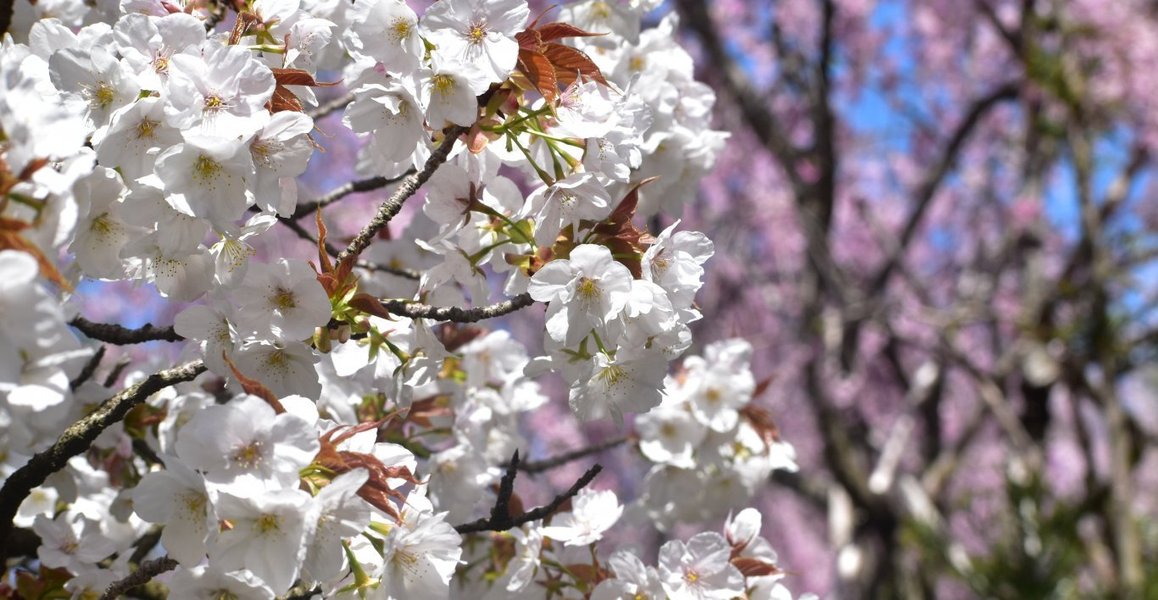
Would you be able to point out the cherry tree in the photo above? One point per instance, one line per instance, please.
(346, 425)
(933, 221)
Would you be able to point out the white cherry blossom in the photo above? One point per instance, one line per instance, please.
(208, 177)
(585, 291)
(387, 31)
(177, 498)
(284, 298)
(247, 439)
(591, 514)
(479, 33)
(216, 88)
(268, 537)
(699, 569)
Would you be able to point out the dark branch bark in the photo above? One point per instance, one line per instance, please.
(144, 573)
(6, 8)
(111, 333)
(89, 368)
(547, 464)
(332, 106)
(354, 187)
(390, 208)
(77, 438)
(501, 519)
(456, 314)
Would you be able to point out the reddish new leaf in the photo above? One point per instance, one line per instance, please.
(570, 63)
(254, 387)
(556, 31)
(423, 412)
(370, 305)
(283, 98)
(540, 72)
(762, 387)
(241, 26)
(298, 77)
(754, 567)
(454, 336)
(376, 490)
(323, 256)
(529, 40)
(626, 209)
(12, 239)
(761, 420)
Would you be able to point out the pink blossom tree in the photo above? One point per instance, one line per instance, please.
(932, 222)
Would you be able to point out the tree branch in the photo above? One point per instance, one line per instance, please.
(78, 437)
(144, 573)
(933, 178)
(764, 123)
(6, 8)
(501, 520)
(456, 314)
(353, 187)
(111, 333)
(332, 250)
(89, 368)
(324, 110)
(390, 208)
(547, 464)
(396, 271)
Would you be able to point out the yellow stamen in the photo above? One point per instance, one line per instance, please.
(206, 169)
(588, 289)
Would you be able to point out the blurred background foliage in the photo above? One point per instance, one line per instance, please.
(935, 221)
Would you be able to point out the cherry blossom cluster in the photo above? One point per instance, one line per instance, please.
(327, 433)
(712, 447)
(561, 557)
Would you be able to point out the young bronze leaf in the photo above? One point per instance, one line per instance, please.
(626, 209)
(570, 63)
(529, 40)
(370, 305)
(754, 567)
(298, 77)
(540, 72)
(284, 99)
(323, 256)
(254, 387)
(12, 239)
(555, 31)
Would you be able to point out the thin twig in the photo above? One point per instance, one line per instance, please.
(111, 333)
(332, 250)
(456, 314)
(145, 545)
(301, 232)
(324, 110)
(118, 369)
(390, 208)
(89, 368)
(353, 187)
(501, 520)
(78, 437)
(397, 271)
(144, 573)
(547, 464)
